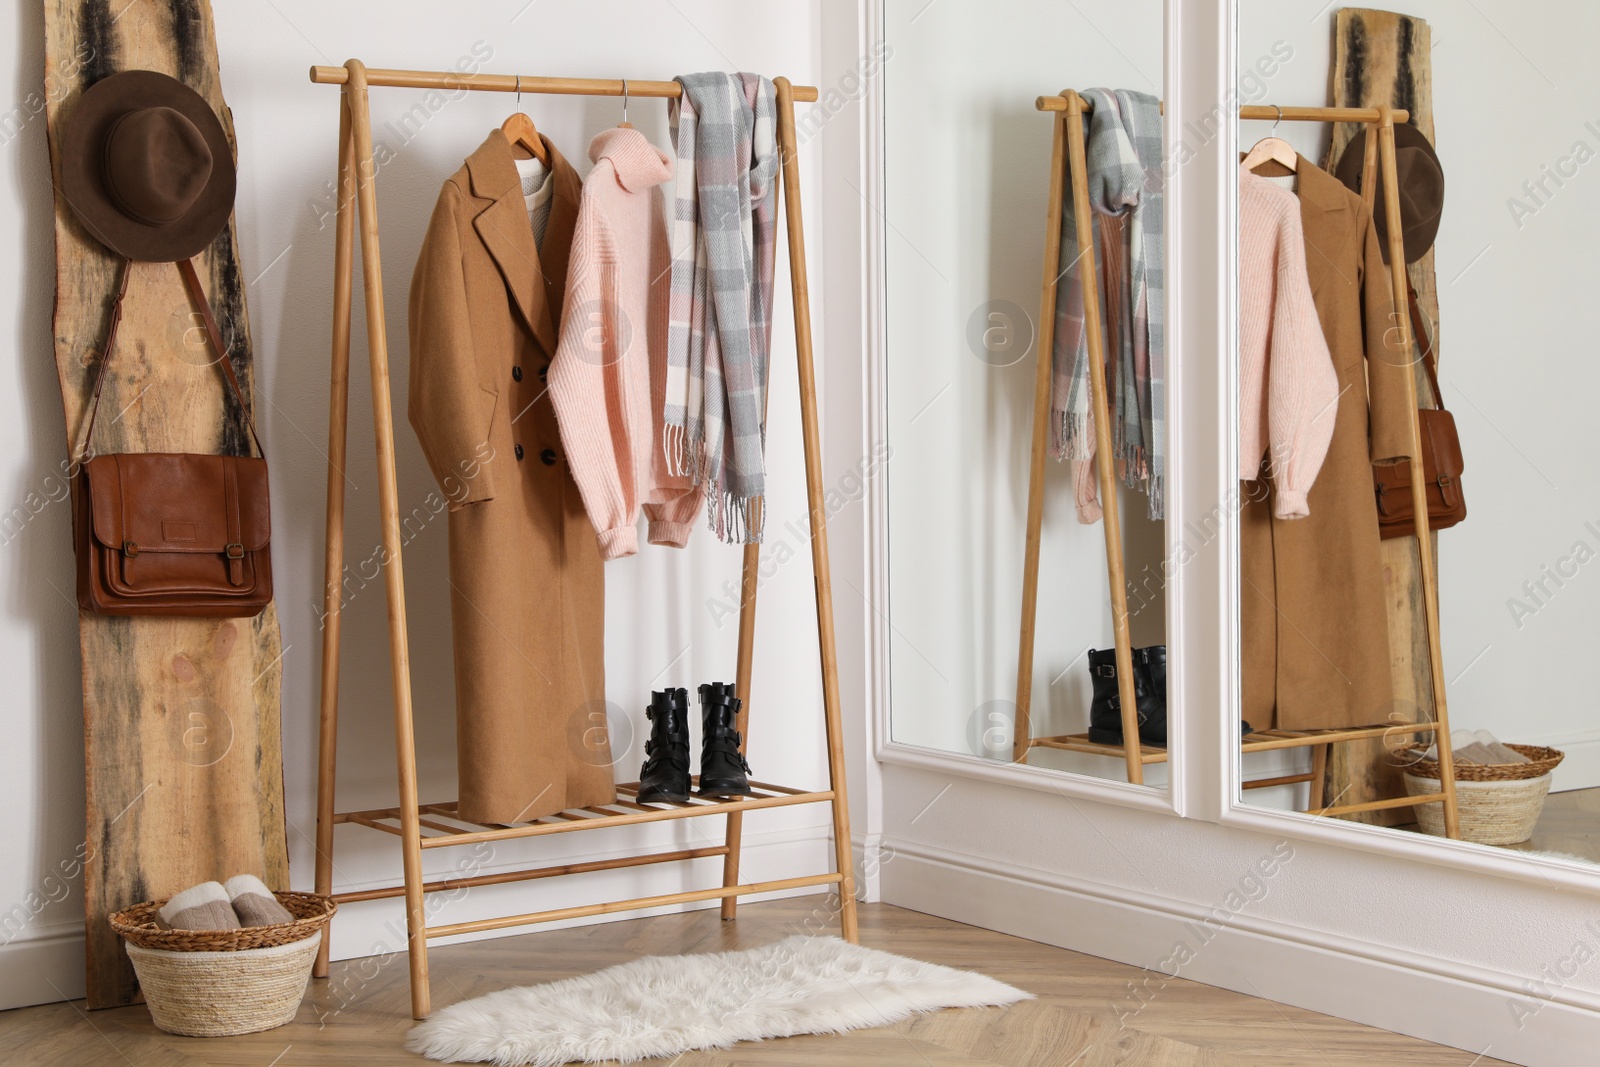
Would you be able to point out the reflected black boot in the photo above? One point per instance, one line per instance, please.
(723, 771)
(1151, 664)
(1105, 709)
(665, 774)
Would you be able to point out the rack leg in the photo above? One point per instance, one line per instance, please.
(814, 498)
(333, 560)
(747, 638)
(389, 506)
(1319, 777)
(1369, 170)
(1104, 468)
(1022, 727)
(1419, 501)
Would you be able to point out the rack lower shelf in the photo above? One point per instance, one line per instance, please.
(624, 811)
(442, 826)
(1256, 741)
(1267, 741)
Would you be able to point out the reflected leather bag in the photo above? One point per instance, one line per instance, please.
(163, 533)
(1441, 460)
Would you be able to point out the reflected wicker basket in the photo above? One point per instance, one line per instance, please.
(1541, 761)
(1496, 803)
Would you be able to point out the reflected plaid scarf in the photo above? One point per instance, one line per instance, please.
(719, 331)
(1125, 179)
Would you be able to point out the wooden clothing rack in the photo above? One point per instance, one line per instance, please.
(425, 826)
(1067, 156)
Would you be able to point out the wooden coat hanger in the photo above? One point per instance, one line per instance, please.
(521, 132)
(1273, 157)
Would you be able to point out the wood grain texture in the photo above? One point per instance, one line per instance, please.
(183, 760)
(1381, 57)
(1087, 1014)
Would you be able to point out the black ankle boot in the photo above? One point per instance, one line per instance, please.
(1151, 662)
(665, 775)
(1105, 710)
(723, 771)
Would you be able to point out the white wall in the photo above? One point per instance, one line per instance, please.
(667, 622)
(967, 173)
(1463, 957)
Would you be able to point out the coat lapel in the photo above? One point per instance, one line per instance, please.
(558, 233)
(535, 282)
(1325, 216)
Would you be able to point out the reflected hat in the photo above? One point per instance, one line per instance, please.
(1421, 184)
(147, 166)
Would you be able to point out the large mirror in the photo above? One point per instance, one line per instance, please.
(968, 249)
(1489, 329)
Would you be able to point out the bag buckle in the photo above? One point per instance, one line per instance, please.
(235, 551)
(130, 549)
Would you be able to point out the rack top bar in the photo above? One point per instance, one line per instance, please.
(1259, 111)
(509, 83)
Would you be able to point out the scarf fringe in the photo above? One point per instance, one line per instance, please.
(1069, 435)
(730, 517)
(675, 444)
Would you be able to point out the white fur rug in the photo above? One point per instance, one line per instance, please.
(665, 1005)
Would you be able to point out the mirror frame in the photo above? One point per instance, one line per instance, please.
(1200, 68)
(875, 372)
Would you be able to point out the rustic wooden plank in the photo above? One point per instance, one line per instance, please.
(183, 759)
(1384, 57)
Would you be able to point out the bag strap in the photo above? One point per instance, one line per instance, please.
(197, 296)
(1425, 343)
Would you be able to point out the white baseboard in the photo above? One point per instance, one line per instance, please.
(45, 965)
(1463, 1006)
(43, 968)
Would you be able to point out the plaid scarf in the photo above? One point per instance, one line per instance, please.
(1125, 178)
(720, 313)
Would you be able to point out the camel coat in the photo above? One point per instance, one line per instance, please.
(528, 596)
(1316, 631)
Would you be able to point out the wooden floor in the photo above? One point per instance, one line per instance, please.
(1086, 1014)
(1569, 823)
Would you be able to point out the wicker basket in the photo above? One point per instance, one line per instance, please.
(1541, 762)
(1499, 812)
(215, 983)
(220, 994)
(311, 912)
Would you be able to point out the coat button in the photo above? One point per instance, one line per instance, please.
(548, 457)
(544, 372)
(519, 452)
(516, 374)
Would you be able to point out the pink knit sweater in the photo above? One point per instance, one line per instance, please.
(613, 347)
(1288, 390)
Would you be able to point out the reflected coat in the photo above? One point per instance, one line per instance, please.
(1316, 628)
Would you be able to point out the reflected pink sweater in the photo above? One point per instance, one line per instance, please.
(1288, 390)
(603, 379)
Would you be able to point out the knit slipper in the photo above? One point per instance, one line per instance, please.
(201, 907)
(254, 903)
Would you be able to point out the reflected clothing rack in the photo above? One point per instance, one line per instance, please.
(424, 826)
(1067, 158)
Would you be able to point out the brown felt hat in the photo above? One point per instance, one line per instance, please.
(147, 166)
(1421, 184)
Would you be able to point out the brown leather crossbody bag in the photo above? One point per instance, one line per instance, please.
(162, 533)
(1441, 460)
